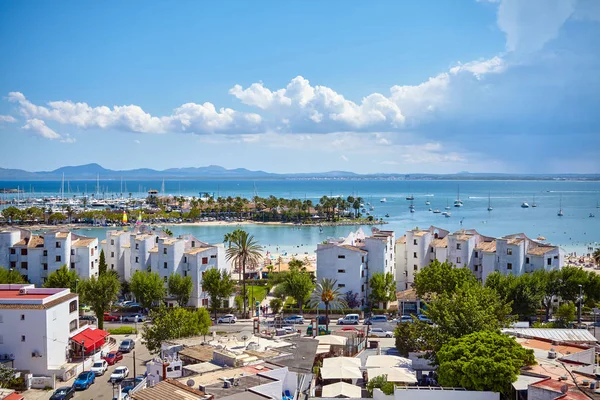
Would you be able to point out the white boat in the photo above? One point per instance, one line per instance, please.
(430, 209)
(371, 208)
(427, 203)
(560, 211)
(410, 197)
(489, 203)
(436, 211)
(524, 205)
(383, 200)
(412, 208)
(592, 215)
(533, 204)
(458, 202)
(448, 214)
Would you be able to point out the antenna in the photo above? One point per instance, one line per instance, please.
(244, 335)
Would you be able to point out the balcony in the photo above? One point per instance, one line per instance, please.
(75, 258)
(44, 259)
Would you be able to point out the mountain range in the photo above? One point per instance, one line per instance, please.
(92, 171)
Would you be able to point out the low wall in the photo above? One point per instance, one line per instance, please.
(42, 382)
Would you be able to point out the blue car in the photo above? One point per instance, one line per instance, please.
(84, 380)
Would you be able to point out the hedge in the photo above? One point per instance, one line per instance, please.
(122, 330)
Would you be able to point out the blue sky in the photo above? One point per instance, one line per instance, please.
(428, 86)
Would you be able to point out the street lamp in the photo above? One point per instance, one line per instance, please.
(10, 270)
(83, 354)
(580, 301)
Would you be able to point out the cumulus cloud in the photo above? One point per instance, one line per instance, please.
(39, 127)
(7, 118)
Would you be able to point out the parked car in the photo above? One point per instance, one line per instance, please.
(424, 318)
(322, 330)
(294, 319)
(127, 345)
(403, 318)
(288, 329)
(359, 332)
(63, 393)
(99, 367)
(227, 319)
(375, 319)
(110, 317)
(124, 396)
(350, 319)
(322, 320)
(90, 318)
(134, 318)
(380, 332)
(84, 380)
(119, 374)
(113, 357)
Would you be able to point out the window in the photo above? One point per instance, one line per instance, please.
(526, 260)
(184, 273)
(72, 265)
(165, 250)
(24, 265)
(341, 285)
(73, 306)
(193, 243)
(137, 260)
(341, 271)
(45, 253)
(509, 252)
(1, 338)
(112, 254)
(58, 245)
(156, 239)
(204, 260)
(72, 325)
(415, 254)
(165, 265)
(13, 264)
(458, 246)
(476, 255)
(22, 317)
(0, 318)
(92, 264)
(549, 261)
(341, 256)
(23, 252)
(112, 266)
(92, 251)
(362, 288)
(458, 260)
(112, 242)
(415, 267)
(45, 266)
(58, 259)
(72, 252)
(22, 338)
(415, 242)
(185, 259)
(476, 268)
(13, 251)
(508, 265)
(137, 246)
(213, 256)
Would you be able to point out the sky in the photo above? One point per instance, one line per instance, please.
(302, 86)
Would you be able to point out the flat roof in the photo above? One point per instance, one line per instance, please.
(168, 389)
(565, 335)
(15, 294)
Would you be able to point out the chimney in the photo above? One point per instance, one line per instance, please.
(165, 365)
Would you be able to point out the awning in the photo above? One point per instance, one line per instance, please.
(387, 361)
(393, 374)
(341, 389)
(323, 349)
(337, 362)
(91, 338)
(341, 373)
(332, 340)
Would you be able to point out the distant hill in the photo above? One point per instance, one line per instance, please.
(91, 171)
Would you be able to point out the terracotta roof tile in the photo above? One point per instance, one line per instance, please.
(541, 250)
(62, 235)
(440, 243)
(401, 240)
(197, 250)
(353, 248)
(489, 247)
(83, 242)
(168, 389)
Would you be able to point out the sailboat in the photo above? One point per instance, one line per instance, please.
(458, 202)
(447, 206)
(489, 203)
(410, 197)
(427, 203)
(560, 211)
(412, 207)
(524, 205)
(533, 204)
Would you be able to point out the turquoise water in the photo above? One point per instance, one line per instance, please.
(575, 231)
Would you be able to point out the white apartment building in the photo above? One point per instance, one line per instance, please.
(516, 254)
(36, 256)
(155, 251)
(352, 260)
(36, 325)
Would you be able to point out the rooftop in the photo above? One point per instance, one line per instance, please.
(420, 233)
(354, 248)
(200, 353)
(560, 335)
(489, 247)
(570, 391)
(32, 298)
(62, 235)
(83, 242)
(401, 240)
(440, 243)
(540, 250)
(245, 383)
(168, 389)
(196, 250)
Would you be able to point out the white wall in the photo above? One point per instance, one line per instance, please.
(329, 264)
(411, 394)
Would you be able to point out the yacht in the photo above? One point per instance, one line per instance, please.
(436, 211)
(524, 205)
(592, 215)
(387, 215)
(489, 203)
(410, 197)
(533, 204)
(427, 203)
(429, 209)
(458, 202)
(412, 208)
(560, 211)
(383, 200)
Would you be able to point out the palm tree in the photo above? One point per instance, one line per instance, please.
(243, 251)
(596, 256)
(329, 294)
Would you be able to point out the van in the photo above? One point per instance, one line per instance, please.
(350, 319)
(376, 319)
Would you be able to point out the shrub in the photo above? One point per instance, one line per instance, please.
(122, 330)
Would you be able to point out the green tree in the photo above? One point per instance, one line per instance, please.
(382, 288)
(6, 375)
(299, 285)
(56, 217)
(438, 278)
(482, 361)
(596, 256)
(99, 294)
(174, 323)
(180, 287)
(415, 336)
(275, 305)
(243, 252)
(62, 278)
(380, 382)
(525, 293)
(328, 293)
(102, 266)
(564, 315)
(219, 285)
(10, 276)
(12, 214)
(168, 231)
(147, 287)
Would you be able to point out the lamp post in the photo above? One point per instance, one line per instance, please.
(579, 303)
(10, 270)
(83, 354)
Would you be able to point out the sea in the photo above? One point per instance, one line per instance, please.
(576, 231)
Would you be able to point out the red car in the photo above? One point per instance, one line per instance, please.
(359, 332)
(113, 357)
(109, 317)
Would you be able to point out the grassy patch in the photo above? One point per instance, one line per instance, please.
(122, 330)
(258, 292)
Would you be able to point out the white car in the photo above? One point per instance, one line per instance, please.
(227, 319)
(133, 318)
(119, 374)
(379, 332)
(99, 367)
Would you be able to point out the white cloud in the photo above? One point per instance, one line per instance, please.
(344, 158)
(38, 127)
(136, 141)
(7, 118)
(481, 67)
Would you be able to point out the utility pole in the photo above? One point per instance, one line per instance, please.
(580, 304)
(134, 374)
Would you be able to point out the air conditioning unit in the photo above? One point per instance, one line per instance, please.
(22, 291)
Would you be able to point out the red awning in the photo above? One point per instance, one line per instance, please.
(91, 338)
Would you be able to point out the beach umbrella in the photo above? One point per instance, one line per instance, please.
(124, 217)
(382, 361)
(541, 238)
(341, 389)
(341, 373)
(393, 374)
(332, 340)
(337, 362)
